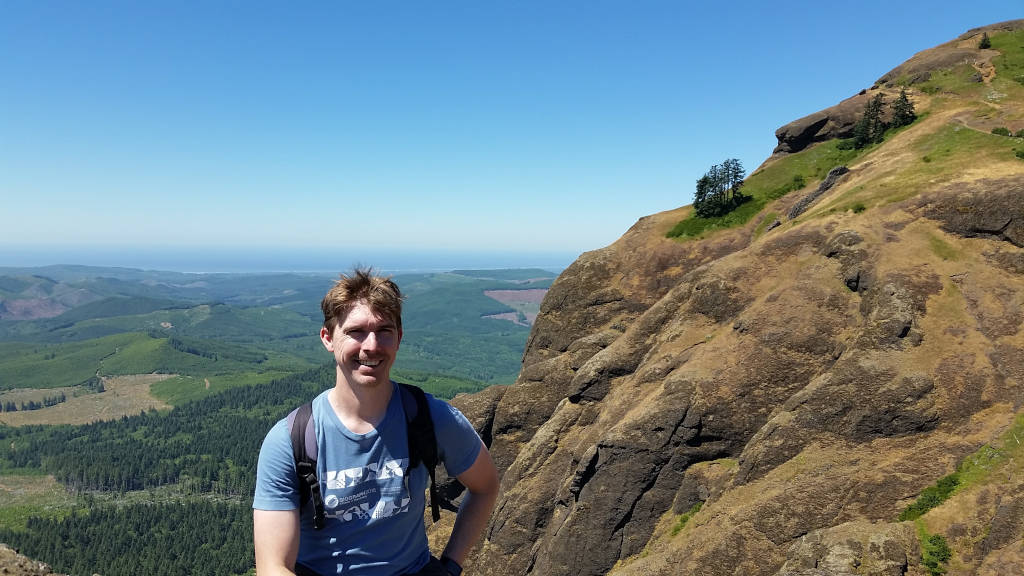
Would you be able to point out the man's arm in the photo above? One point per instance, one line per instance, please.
(481, 482)
(276, 539)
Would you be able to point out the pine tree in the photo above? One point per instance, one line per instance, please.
(870, 128)
(878, 125)
(903, 110)
(718, 190)
(862, 131)
(734, 175)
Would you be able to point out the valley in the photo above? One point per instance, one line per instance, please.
(155, 389)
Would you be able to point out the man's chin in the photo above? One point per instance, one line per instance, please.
(373, 378)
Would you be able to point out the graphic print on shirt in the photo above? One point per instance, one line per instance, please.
(374, 491)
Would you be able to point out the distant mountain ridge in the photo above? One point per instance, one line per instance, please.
(790, 396)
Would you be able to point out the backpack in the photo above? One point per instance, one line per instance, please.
(419, 433)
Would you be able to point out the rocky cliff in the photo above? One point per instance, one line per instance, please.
(15, 564)
(769, 399)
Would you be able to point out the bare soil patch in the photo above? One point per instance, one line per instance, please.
(123, 396)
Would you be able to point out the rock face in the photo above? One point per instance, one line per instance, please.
(14, 564)
(802, 385)
(830, 123)
(830, 180)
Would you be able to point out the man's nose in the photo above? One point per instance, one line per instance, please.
(370, 342)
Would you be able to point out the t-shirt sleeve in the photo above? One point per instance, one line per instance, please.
(277, 486)
(458, 444)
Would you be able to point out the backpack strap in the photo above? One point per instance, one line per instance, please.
(422, 440)
(300, 425)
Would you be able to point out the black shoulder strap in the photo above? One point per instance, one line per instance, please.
(305, 464)
(422, 440)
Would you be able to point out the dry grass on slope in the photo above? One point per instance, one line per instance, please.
(936, 151)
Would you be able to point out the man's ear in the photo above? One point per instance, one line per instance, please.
(325, 337)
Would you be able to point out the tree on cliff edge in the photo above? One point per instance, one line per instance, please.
(718, 190)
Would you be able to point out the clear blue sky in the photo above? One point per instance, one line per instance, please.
(533, 126)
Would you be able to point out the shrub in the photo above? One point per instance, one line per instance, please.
(859, 207)
(1019, 133)
(935, 554)
(1001, 130)
(985, 42)
(926, 159)
(931, 497)
(1019, 153)
(686, 518)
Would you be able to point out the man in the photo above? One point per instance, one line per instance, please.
(374, 509)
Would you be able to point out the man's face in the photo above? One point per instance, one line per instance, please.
(364, 345)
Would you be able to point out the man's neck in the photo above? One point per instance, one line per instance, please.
(360, 408)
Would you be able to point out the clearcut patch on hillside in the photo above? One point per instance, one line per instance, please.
(525, 302)
(25, 495)
(123, 396)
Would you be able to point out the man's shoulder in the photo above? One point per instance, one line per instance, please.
(320, 403)
(443, 410)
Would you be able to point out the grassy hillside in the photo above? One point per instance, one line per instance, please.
(948, 153)
(957, 109)
(131, 314)
(70, 364)
(55, 365)
(795, 172)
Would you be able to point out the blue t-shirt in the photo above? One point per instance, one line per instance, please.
(374, 513)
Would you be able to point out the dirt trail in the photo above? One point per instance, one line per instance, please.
(985, 69)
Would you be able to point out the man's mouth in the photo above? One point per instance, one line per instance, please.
(369, 363)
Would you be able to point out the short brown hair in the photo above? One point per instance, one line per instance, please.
(378, 292)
